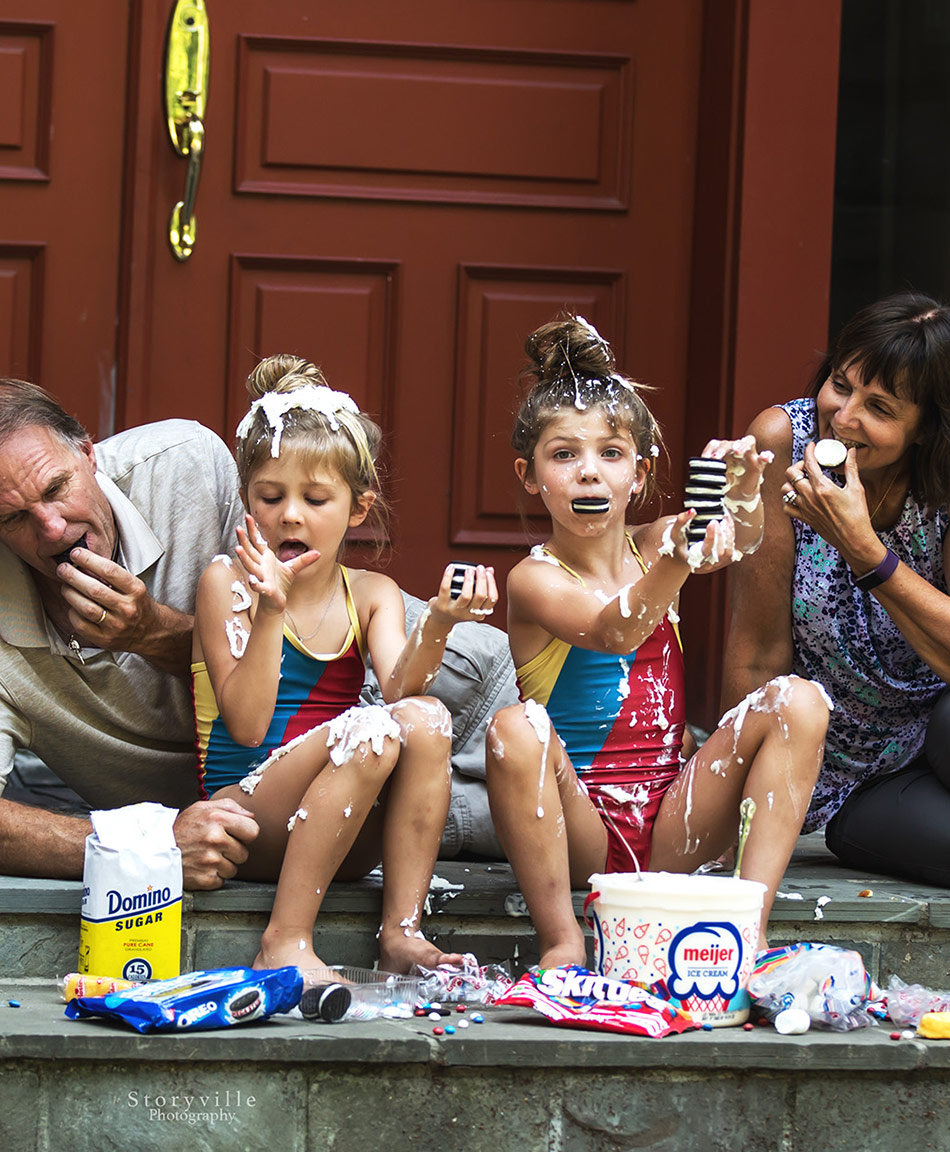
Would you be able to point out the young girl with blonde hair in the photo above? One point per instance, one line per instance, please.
(281, 637)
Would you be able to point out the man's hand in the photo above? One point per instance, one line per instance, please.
(213, 836)
(110, 608)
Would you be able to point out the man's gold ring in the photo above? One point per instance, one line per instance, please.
(102, 617)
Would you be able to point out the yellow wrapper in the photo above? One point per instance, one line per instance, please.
(934, 1026)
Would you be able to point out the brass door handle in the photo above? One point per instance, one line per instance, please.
(187, 64)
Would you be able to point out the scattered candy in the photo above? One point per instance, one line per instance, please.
(421, 1012)
(908, 1034)
(478, 1018)
(707, 1027)
(450, 1029)
(895, 1035)
(747, 1027)
(14, 1003)
(464, 1023)
(437, 1031)
(459, 1007)
(865, 892)
(435, 1015)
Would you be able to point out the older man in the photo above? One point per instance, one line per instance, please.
(101, 548)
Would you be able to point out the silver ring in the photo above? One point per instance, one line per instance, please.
(798, 479)
(102, 617)
(790, 497)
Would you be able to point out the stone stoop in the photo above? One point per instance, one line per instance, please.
(514, 1082)
(899, 927)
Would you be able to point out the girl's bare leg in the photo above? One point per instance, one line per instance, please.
(551, 832)
(769, 748)
(417, 804)
(331, 811)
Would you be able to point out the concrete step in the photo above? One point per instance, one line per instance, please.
(514, 1082)
(899, 927)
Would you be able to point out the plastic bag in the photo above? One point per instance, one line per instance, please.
(831, 984)
(906, 1003)
(472, 982)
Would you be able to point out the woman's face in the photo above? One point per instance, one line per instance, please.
(880, 427)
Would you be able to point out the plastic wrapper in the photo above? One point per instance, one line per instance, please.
(574, 997)
(472, 983)
(75, 984)
(907, 1003)
(372, 994)
(217, 998)
(831, 984)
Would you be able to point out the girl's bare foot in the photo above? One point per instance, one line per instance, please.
(400, 953)
(562, 954)
(280, 951)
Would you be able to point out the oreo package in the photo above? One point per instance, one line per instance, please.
(217, 998)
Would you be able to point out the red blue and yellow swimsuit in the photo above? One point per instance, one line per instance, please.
(621, 719)
(312, 690)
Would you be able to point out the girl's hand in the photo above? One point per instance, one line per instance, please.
(714, 551)
(477, 599)
(270, 578)
(717, 549)
(839, 515)
(744, 465)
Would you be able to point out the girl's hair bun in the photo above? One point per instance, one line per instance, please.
(282, 373)
(568, 347)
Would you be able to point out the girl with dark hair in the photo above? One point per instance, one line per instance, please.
(592, 772)
(849, 586)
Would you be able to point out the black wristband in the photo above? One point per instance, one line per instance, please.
(884, 571)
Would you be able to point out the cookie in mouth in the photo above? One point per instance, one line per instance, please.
(63, 557)
(590, 505)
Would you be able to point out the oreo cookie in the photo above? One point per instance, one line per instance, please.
(705, 488)
(63, 557)
(590, 505)
(325, 1002)
(458, 577)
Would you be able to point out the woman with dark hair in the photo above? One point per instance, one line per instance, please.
(849, 587)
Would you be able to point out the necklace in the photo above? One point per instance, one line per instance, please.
(887, 492)
(326, 611)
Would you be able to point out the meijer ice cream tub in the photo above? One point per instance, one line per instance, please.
(696, 934)
(130, 923)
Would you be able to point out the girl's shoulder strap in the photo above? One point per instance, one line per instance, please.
(636, 551)
(540, 552)
(352, 613)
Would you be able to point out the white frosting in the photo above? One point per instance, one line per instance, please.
(313, 397)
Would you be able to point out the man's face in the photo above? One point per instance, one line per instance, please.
(50, 500)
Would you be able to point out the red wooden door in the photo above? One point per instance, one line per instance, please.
(401, 192)
(62, 114)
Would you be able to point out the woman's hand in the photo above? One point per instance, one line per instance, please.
(839, 515)
(270, 578)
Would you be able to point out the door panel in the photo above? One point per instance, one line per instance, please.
(400, 193)
(62, 116)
